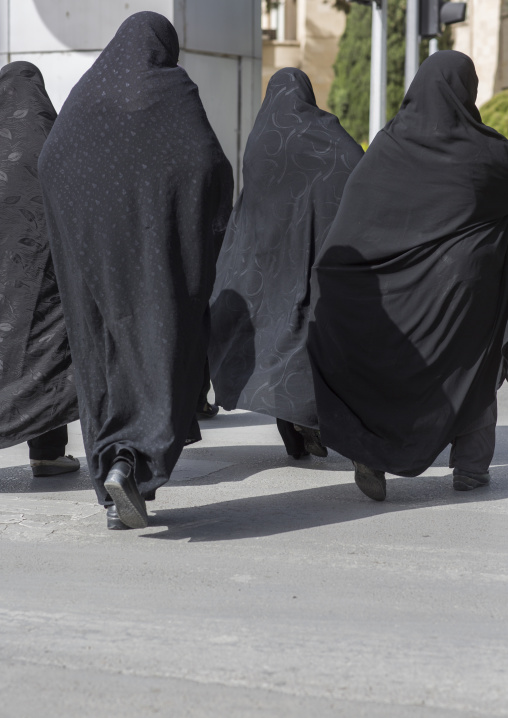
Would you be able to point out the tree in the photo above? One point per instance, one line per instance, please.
(350, 92)
(495, 112)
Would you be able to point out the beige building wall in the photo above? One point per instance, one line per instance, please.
(484, 37)
(501, 81)
(309, 42)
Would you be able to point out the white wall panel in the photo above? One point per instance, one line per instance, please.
(4, 26)
(49, 25)
(220, 42)
(60, 70)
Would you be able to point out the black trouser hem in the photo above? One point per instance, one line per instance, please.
(48, 446)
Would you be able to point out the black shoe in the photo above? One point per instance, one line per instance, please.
(53, 467)
(371, 482)
(130, 505)
(467, 482)
(208, 411)
(312, 441)
(113, 519)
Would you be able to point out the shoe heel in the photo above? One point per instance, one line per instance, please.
(130, 505)
(114, 522)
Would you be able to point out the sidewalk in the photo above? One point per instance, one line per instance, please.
(263, 586)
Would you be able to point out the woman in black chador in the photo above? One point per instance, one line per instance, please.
(137, 192)
(412, 290)
(297, 161)
(37, 392)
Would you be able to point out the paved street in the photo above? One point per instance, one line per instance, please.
(262, 586)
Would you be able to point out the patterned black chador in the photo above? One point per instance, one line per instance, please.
(138, 193)
(297, 161)
(37, 391)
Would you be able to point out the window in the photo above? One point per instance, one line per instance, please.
(279, 19)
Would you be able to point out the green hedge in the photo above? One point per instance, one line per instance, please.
(495, 112)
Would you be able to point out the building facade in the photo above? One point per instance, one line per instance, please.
(220, 44)
(484, 37)
(303, 34)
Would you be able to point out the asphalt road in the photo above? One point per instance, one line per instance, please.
(262, 586)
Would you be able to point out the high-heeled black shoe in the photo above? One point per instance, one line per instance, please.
(130, 505)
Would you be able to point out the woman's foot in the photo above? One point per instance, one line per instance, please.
(312, 441)
(466, 481)
(371, 482)
(114, 521)
(121, 486)
(53, 467)
(208, 411)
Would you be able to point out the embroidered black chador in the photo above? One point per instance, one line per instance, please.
(37, 391)
(296, 164)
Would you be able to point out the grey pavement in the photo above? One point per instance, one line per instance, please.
(263, 586)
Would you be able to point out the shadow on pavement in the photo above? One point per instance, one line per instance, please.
(282, 512)
(252, 459)
(19, 480)
(308, 508)
(230, 420)
(245, 461)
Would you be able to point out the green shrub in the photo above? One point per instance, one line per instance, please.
(495, 112)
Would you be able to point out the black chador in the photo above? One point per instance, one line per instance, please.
(297, 161)
(411, 284)
(138, 193)
(37, 391)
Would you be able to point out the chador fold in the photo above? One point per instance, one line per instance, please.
(296, 164)
(37, 392)
(410, 287)
(138, 193)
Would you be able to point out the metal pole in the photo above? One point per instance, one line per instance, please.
(433, 46)
(412, 41)
(377, 118)
(281, 21)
